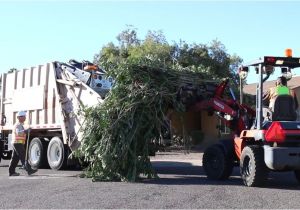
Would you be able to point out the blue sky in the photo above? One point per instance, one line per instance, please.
(36, 32)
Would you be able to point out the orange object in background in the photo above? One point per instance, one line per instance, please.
(288, 52)
(91, 67)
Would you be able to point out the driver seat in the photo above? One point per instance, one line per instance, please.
(284, 109)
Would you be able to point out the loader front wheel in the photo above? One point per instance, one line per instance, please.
(56, 154)
(216, 163)
(253, 169)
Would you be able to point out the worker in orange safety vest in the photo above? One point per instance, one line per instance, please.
(18, 144)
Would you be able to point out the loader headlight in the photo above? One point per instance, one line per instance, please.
(286, 72)
(268, 70)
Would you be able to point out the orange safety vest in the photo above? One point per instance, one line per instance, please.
(18, 134)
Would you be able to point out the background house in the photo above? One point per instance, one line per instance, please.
(203, 128)
(210, 125)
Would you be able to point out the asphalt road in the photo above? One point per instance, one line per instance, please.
(182, 184)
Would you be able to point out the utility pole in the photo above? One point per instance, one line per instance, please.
(241, 90)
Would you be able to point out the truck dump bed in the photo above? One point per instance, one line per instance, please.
(52, 98)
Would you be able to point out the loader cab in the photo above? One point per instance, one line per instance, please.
(272, 145)
(283, 109)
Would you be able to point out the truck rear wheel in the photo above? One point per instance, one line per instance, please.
(56, 154)
(36, 153)
(217, 165)
(253, 169)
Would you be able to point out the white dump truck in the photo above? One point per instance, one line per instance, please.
(52, 96)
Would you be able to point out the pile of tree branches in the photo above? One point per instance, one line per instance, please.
(148, 75)
(119, 133)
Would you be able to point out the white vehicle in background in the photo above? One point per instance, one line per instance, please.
(52, 96)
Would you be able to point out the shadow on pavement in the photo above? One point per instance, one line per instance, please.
(185, 173)
(282, 180)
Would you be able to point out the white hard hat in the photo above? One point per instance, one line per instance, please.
(21, 114)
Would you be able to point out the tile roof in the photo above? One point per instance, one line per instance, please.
(251, 88)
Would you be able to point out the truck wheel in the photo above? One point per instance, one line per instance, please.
(253, 169)
(36, 153)
(56, 154)
(297, 175)
(1, 148)
(217, 165)
(6, 155)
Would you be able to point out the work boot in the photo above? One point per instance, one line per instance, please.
(31, 171)
(14, 174)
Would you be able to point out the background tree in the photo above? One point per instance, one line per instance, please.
(210, 59)
(128, 37)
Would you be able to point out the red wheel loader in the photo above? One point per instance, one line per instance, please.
(258, 145)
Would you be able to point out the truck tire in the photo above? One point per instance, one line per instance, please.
(6, 155)
(216, 163)
(56, 154)
(1, 148)
(36, 153)
(253, 169)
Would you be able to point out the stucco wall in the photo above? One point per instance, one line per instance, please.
(196, 121)
(191, 121)
(209, 128)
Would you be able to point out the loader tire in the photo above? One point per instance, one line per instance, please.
(253, 169)
(216, 163)
(56, 154)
